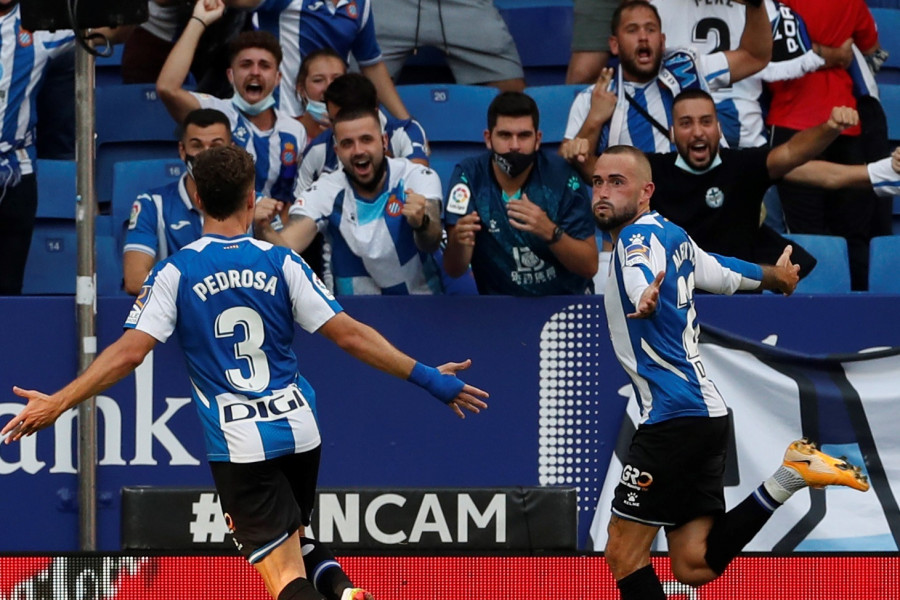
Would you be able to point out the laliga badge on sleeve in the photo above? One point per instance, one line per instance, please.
(135, 212)
(458, 199)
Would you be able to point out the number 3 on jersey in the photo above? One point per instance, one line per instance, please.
(248, 349)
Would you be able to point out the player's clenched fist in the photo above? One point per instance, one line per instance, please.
(463, 233)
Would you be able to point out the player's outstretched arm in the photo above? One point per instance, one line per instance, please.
(366, 344)
(114, 363)
(649, 299)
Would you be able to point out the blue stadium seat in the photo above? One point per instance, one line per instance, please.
(545, 56)
(890, 100)
(108, 69)
(132, 124)
(134, 177)
(884, 264)
(56, 189)
(52, 261)
(449, 112)
(888, 21)
(831, 274)
(553, 103)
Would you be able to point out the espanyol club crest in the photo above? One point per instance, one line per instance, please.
(714, 197)
(353, 10)
(288, 154)
(25, 38)
(393, 207)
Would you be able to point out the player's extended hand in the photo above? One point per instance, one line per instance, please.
(525, 215)
(209, 11)
(649, 299)
(895, 160)
(470, 396)
(577, 149)
(603, 102)
(463, 233)
(787, 274)
(414, 209)
(40, 412)
(843, 117)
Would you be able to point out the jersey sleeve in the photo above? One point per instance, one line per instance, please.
(407, 140)
(578, 113)
(155, 311)
(425, 181)
(142, 234)
(365, 47)
(317, 203)
(885, 180)
(715, 70)
(311, 166)
(459, 200)
(58, 42)
(642, 255)
(575, 211)
(313, 305)
(724, 274)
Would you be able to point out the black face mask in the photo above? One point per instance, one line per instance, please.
(514, 163)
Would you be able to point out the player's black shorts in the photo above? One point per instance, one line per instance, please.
(674, 472)
(265, 502)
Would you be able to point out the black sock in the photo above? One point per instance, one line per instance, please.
(323, 570)
(643, 584)
(299, 589)
(734, 530)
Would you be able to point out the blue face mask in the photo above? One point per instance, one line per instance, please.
(252, 109)
(318, 111)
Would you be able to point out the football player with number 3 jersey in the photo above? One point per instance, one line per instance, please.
(232, 301)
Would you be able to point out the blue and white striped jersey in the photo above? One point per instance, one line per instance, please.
(233, 303)
(372, 246)
(681, 69)
(23, 61)
(661, 353)
(163, 221)
(406, 139)
(276, 152)
(302, 26)
(715, 27)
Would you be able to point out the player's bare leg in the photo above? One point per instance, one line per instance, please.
(628, 555)
(284, 574)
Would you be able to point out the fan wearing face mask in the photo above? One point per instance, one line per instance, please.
(166, 218)
(317, 71)
(273, 139)
(520, 217)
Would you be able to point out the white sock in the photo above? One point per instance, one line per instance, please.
(783, 483)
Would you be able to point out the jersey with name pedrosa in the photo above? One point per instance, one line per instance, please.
(275, 152)
(373, 249)
(233, 303)
(661, 354)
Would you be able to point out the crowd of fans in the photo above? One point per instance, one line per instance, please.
(728, 99)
